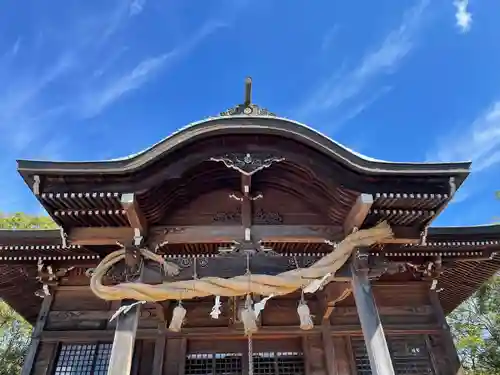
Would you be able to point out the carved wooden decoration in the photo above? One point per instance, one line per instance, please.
(247, 163)
(227, 217)
(265, 217)
(49, 277)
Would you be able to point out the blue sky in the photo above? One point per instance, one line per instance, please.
(406, 80)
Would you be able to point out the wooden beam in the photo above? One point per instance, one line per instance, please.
(228, 266)
(226, 234)
(297, 233)
(358, 213)
(100, 236)
(272, 332)
(207, 234)
(373, 332)
(405, 235)
(29, 360)
(134, 213)
(265, 233)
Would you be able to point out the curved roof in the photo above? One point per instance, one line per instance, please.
(248, 124)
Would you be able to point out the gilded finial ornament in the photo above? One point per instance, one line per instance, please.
(247, 108)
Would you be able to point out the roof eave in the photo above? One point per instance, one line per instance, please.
(245, 124)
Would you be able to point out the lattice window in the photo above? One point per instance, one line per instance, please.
(409, 355)
(83, 359)
(214, 364)
(232, 364)
(289, 363)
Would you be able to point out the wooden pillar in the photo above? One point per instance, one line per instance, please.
(450, 364)
(29, 361)
(376, 344)
(159, 353)
(120, 362)
(330, 364)
(306, 349)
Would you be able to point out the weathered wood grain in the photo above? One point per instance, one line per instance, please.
(36, 334)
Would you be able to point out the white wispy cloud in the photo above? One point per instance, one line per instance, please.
(100, 97)
(479, 142)
(356, 110)
(28, 111)
(97, 100)
(345, 86)
(462, 15)
(327, 41)
(136, 7)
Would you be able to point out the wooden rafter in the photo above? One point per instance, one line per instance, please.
(133, 212)
(358, 213)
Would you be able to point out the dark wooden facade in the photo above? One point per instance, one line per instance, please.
(268, 183)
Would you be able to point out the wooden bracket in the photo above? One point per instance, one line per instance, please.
(360, 261)
(358, 213)
(134, 213)
(332, 294)
(49, 278)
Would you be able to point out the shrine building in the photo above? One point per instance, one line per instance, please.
(245, 243)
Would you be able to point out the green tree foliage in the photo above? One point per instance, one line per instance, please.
(476, 329)
(14, 340)
(24, 221)
(14, 330)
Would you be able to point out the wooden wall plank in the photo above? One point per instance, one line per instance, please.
(45, 358)
(314, 355)
(342, 352)
(159, 352)
(147, 351)
(331, 368)
(175, 356)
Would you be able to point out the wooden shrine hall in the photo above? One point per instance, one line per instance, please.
(245, 243)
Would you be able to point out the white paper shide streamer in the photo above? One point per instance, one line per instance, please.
(248, 317)
(125, 309)
(259, 306)
(215, 313)
(306, 322)
(178, 316)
